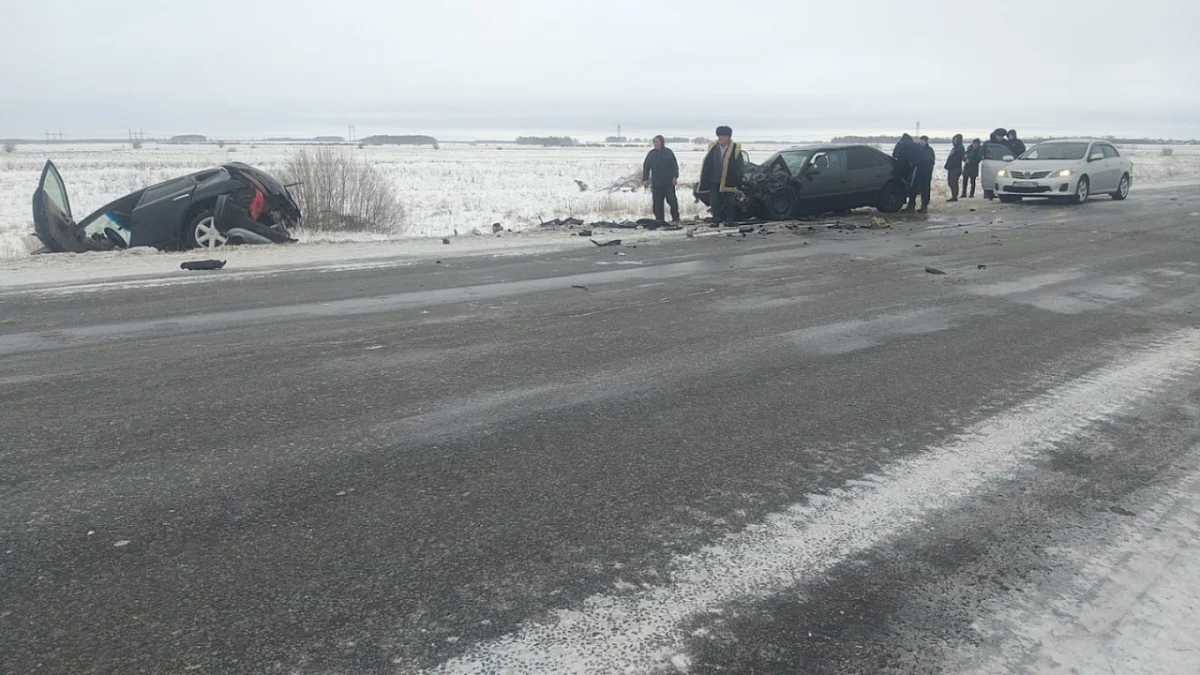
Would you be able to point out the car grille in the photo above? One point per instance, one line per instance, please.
(1027, 190)
(1026, 175)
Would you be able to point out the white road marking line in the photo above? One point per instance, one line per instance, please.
(642, 631)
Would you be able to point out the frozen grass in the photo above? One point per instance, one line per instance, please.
(462, 188)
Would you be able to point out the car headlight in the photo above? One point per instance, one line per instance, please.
(1002, 173)
(1065, 173)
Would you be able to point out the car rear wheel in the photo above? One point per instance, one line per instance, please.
(1009, 199)
(202, 231)
(782, 204)
(1122, 189)
(1083, 191)
(892, 198)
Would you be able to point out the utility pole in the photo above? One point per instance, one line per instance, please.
(47, 137)
(619, 139)
(918, 128)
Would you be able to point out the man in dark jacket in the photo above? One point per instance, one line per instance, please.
(1015, 144)
(909, 156)
(954, 166)
(721, 175)
(971, 168)
(925, 173)
(660, 173)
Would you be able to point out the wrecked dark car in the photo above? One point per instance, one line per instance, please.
(818, 179)
(234, 203)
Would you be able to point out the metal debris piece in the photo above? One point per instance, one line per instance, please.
(933, 270)
(202, 265)
(611, 242)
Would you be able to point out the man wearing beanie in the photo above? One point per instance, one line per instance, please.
(660, 173)
(721, 175)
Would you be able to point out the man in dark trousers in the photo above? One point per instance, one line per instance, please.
(909, 156)
(721, 175)
(971, 169)
(954, 166)
(1015, 144)
(660, 173)
(925, 173)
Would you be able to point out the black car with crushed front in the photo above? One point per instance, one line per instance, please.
(819, 179)
(234, 203)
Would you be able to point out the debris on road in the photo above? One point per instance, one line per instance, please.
(445, 241)
(196, 265)
(982, 267)
(933, 270)
(585, 233)
(611, 242)
(582, 288)
(583, 187)
(878, 223)
(559, 222)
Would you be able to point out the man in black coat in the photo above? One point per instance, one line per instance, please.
(660, 173)
(909, 157)
(721, 175)
(1015, 144)
(954, 166)
(924, 180)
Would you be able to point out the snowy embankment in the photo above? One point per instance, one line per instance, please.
(460, 188)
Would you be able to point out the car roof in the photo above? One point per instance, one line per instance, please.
(1075, 140)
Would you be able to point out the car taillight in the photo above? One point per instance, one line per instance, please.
(257, 204)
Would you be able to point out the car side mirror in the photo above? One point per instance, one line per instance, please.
(812, 171)
(1096, 157)
(1009, 158)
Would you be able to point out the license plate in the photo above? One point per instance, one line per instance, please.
(1024, 183)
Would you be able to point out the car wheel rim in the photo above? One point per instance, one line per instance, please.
(207, 234)
(1124, 187)
(1083, 190)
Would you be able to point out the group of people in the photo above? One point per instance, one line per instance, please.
(915, 159)
(721, 172)
(720, 176)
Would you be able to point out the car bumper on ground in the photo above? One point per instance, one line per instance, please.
(1047, 186)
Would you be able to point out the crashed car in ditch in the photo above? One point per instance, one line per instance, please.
(818, 179)
(234, 203)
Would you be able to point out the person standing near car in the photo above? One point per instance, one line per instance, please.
(721, 175)
(925, 173)
(660, 173)
(908, 156)
(954, 166)
(971, 168)
(1015, 144)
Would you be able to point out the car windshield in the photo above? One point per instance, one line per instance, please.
(1059, 151)
(792, 159)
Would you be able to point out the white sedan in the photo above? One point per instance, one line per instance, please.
(1072, 169)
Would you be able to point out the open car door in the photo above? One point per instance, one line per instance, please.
(995, 157)
(52, 220)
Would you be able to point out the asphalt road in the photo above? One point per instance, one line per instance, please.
(787, 453)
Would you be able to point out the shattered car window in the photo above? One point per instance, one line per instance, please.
(107, 221)
(795, 161)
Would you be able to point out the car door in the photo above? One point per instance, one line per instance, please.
(869, 172)
(1114, 166)
(826, 183)
(996, 156)
(52, 220)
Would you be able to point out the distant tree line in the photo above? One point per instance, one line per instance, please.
(548, 141)
(399, 140)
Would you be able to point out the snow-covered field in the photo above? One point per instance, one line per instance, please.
(458, 187)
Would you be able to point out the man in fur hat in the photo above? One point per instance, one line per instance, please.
(721, 175)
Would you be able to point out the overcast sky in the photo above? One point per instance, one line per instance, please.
(464, 69)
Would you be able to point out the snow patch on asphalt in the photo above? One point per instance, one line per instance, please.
(635, 632)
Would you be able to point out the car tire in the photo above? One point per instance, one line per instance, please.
(1123, 188)
(1009, 199)
(201, 231)
(892, 198)
(781, 204)
(1082, 191)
